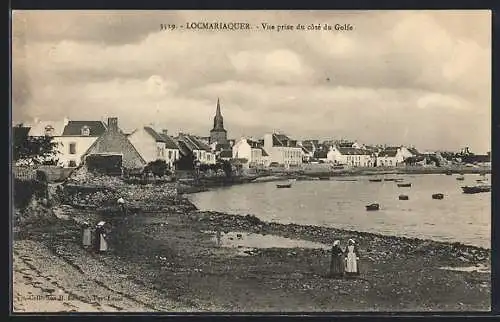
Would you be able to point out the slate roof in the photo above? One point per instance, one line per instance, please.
(155, 135)
(320, 154)
(391, 152)
(38, 129)
(222, 146)
(74, 128)
(283, 140)
(20, 132)
(345, 144)
(353, 151)
(413, 151)
(193, 143)
(264, 153)
(169, 142)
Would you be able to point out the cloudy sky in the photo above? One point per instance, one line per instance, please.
(399, 77)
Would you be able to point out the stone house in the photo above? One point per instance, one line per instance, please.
(114, 142)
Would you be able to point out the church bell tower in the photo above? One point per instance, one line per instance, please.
(218, 133)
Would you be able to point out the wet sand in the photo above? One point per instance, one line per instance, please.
(171, 262)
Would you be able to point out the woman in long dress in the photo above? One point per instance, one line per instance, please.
(86, 235)
(336, 263)
(352, 257)
(101, 242)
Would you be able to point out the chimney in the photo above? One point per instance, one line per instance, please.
(66, 121)
(164, 132)
(113, 124)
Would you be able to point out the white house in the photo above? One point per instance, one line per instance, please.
(353, 157)
(73, 138)
(251, 150)
(153, 145)
(191, 144)
(393, 156)
(282, 150)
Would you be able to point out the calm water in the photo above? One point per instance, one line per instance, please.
(341, 204)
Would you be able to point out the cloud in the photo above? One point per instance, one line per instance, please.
(399, 77)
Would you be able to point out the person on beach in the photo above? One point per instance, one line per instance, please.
(336, 262)
(101, 243)
(121, 204)
(352, 257)
(86, 235)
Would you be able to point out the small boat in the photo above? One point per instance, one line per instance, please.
(375, 180)
(460, 178)
(349, 180)
(481, 181)
(448, 173)
(398, 180)
(324, 178)
(403, 197)
(284, 185)
(373, 206)
(404, 185)
(437, 196)
(389, 179)
(476, 189)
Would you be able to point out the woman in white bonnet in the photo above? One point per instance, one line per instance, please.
(336, 263)
(352, 258)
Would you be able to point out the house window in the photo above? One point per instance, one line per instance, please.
(85, 131)
(72, 164)
(72, 148)
(49, 129)
(170, 154)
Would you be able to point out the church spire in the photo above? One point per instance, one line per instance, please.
(218, 119)
(218, 113)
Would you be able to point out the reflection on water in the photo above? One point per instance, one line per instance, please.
(254, 240)
(458, 217)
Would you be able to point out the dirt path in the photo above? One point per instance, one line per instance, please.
(46, 282)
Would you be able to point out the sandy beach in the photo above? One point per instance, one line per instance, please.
(170, 262)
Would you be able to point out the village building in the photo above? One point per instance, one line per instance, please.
(393, 156)
(191, 145)
(252, 151)
(114, 143)
(282, 150)
(218, 134)
(350, 156)
(72, 138)
(309, 147)
(153, 145)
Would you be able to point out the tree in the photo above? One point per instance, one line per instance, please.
(158, 167)
(33, 149)
(226, 167)
(185, 162)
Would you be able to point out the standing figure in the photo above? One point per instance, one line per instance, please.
(101, 243)
(121, 204)
(352, 258)
(86, 235)
(336, 262)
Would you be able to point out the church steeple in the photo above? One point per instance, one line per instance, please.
(218, 119)
(218, 133)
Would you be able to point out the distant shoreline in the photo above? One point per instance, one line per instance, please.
(207, 183)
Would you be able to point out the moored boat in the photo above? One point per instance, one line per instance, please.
(389, 179)
(284, 185)
(460, 178)
(403, 197)
(476, 189)
(375, 180)
(404, 185)
(437, 196)
(373, 206)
